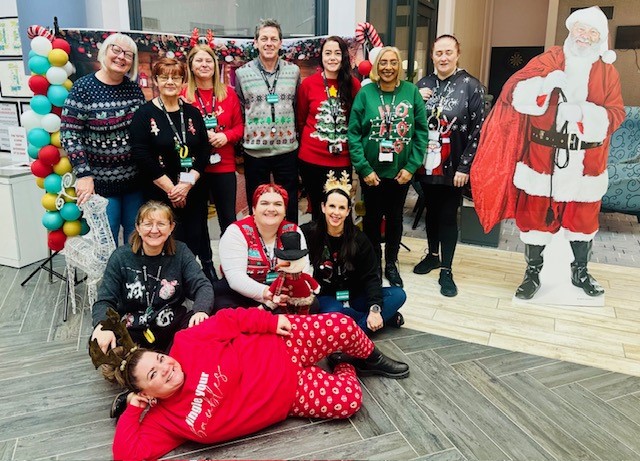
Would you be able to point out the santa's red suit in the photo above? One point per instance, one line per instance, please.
(529, 103)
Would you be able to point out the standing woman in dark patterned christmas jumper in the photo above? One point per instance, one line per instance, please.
(455, 112)
(323, 107)
(169, 142)
(95, 132)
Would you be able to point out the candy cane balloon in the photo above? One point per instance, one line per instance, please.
(365, 32)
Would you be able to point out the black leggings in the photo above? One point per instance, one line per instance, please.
(441, 219)
(313, 178)
(386, 199)
(222, 193)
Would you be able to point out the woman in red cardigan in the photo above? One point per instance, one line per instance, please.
(323, 107)
(220, 108)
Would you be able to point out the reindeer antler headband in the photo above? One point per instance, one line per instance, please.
(195, 38)
(334, 183)
(112, 323)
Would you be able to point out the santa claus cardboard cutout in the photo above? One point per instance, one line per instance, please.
(563, 107)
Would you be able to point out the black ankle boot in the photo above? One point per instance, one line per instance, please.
(209, 271)
(531, 282)
(580, 277)
(379, 364)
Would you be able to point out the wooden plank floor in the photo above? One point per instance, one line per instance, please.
(489, 380)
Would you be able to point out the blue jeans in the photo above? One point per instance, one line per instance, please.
(121, 211)
(392, 300)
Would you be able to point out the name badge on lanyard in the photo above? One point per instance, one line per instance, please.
(273, 98)
(211, 122)
(386, 151)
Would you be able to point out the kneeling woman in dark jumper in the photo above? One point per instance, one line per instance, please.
(346, 266)
(238, 372)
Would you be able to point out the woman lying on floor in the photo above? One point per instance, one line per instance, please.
(238, 372)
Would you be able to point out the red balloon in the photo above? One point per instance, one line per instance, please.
(39, 84)
(56, 240)
(49, 155)
(40, 169)
(61, 44)
(56, 110)
(364, 68)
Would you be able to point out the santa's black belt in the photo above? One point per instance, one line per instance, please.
(568, 141)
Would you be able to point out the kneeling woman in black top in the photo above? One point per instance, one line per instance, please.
(346, 266)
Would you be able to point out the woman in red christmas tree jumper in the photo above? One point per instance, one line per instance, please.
(323, 107)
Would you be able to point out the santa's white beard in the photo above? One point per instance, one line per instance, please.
(571, 48)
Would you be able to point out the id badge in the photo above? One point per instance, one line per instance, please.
(386, 151)
(186, 162)
(271, 277)
(273, 98)
(189, 178)
(214, 158)
(211, 122)
(342, 295)
(335, 149)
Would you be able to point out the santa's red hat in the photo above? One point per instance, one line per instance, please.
(594, 17)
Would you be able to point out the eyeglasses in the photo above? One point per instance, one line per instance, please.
(149, 225)
(128, 55)
(166, 78)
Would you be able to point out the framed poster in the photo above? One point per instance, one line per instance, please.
(8, 118)
(13, 81)
(10, 38)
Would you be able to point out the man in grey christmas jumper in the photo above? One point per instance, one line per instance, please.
(267, 89)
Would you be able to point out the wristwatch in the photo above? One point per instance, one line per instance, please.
(375, 308)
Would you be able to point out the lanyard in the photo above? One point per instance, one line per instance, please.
(441, 95)
(271, 90)
(180, 141)
(203, 106)
(270, 257)
(149, 299)
(387, 114)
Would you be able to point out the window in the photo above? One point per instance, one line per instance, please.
(230, 18)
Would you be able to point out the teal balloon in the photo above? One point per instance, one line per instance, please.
(53, 183)
(39, 64)
(40, 104)
(33, 151)
(52, 220)
(57, 94)
(70, 211)
(84, 227)
(32, 53)
(39, 137)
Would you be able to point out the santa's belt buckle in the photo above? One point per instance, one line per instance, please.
(573, 142)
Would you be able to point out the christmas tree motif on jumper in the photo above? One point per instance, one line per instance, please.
(331, 121)
(400, 128)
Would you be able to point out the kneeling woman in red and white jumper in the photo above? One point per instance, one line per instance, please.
(241, 371)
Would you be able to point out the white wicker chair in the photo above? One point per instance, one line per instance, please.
(90, 252)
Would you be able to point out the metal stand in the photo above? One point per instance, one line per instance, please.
(46, 265)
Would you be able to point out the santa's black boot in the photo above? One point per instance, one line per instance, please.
(580, 277)
(531, 283)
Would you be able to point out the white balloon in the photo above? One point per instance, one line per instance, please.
(69, 68)
(374, 53)
(56, 75)
(366, 81)
(51, 123)
(31, 120)
(41, 46)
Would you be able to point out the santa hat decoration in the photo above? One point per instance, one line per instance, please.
(594, 17)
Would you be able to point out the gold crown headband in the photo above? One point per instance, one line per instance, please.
(334, 183)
